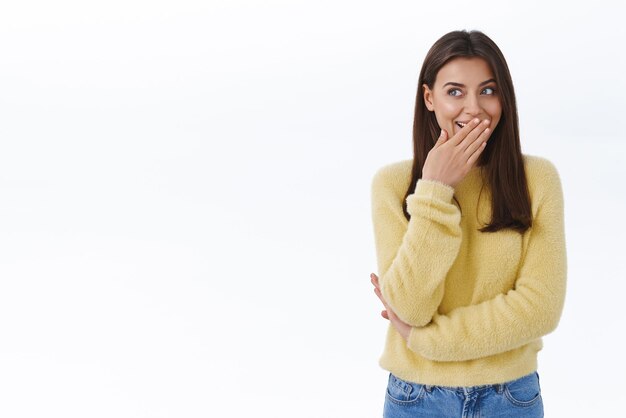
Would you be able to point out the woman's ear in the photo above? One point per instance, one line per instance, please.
(428, 98)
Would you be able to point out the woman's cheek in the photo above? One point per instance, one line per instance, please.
(445, 115)
(450, 111)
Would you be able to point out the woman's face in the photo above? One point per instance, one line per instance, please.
(464, 88)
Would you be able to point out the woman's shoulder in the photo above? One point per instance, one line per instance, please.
(542, 176)
(539, 168)
(394, 176)
(537, 163)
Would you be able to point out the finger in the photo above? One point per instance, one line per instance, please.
(380, 296)
(460, 136)
(443, 136)
(376, 286)
(473, 136)
(388, 312)
(391, 314)
(478, 144)
(478, 150)
(375, 281)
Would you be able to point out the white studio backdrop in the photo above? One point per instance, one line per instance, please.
(185, 223)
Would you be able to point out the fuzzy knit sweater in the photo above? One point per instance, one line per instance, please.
(478, 302)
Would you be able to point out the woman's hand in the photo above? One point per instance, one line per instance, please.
(403, 328)
(450, 160)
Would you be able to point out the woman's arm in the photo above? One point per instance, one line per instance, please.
(529, 311)
(414, 257)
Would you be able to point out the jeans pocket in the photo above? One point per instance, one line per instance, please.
(524, 391)
(402, 392)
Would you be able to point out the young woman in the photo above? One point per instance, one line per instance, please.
(470, 245)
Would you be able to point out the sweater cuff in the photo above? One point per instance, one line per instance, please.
(415, 341)
(430, 189)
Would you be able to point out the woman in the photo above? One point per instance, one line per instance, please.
(470, 244)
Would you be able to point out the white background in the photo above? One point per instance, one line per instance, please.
(185, 225)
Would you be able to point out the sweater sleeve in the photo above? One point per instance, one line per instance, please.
(529, 311)
(414, 257)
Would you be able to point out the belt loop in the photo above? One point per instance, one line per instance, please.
(499, 387)
(428, 388)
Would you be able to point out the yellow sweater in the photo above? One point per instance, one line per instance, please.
(479, 302)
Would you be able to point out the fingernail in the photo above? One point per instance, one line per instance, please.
(475, 120)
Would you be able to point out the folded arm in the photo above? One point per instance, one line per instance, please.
(414, 257)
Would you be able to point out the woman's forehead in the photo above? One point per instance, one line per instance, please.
(469, 71)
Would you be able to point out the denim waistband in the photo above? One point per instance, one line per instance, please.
(466, 390)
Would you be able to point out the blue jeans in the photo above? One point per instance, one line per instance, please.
(517, 398)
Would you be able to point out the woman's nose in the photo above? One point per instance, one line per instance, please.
(472, 106)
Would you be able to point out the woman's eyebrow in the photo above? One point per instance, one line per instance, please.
(463, 85)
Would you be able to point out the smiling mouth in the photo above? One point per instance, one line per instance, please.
(460, 124)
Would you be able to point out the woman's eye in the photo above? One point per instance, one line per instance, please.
(457, 92)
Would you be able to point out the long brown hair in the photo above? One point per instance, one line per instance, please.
(501, 160)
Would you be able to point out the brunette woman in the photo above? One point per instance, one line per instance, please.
(470, 245)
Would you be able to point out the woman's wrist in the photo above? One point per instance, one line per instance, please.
(436, 179)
